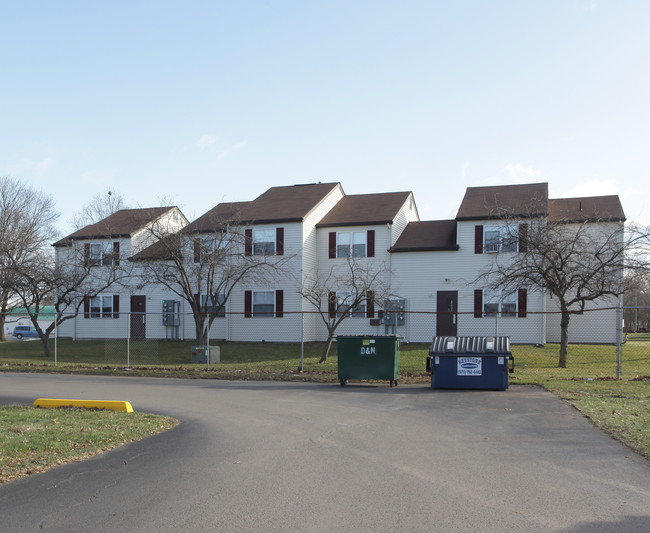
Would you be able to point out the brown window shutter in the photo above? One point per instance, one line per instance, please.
(248, 304)
(370, 304)
(197, 251)
(248, 242)
(478, 239)
(279, 304)
(116, 305)
(331, 304)
(332, 244)
(478, 303)
(371, 243)
(279, 241)
(522, 303)
(116, 253)
(86, 306)
(523, 238)
(197, 299)
(86, 254)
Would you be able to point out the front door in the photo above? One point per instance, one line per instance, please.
(447, 314)
(138, 317)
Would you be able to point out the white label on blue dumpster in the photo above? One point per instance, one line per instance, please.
(500, 361)
(469, 366)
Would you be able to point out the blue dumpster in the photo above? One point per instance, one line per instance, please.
(470, 363)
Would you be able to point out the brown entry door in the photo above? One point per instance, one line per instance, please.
(138, 317)
(447, 314)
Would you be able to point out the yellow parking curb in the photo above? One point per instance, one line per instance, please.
(88, 404)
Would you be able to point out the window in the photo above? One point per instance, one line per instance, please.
(102, 306)
(203, 247)
(352, 244)
(264, 241)
(104, 253)
(340, 304)
(264, 304)
(215, 304)
(495, 238)
(502, 303)
(499, 239)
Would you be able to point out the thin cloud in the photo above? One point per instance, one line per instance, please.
(29, 167)
(230, 150)
(207, 142)
(522, 174)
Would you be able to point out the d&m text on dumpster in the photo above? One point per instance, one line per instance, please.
(368, 347)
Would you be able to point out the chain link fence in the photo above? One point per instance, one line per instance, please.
(601, 343)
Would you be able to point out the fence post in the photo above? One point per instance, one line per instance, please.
(128, 341)
(619, 339)
(301, 316)
(207, 348)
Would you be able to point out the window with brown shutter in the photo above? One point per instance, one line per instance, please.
(332, 245)
(279, 241)
(279, 304)
(371, 243)
(522, 303)
(478, 239)
(478, 303)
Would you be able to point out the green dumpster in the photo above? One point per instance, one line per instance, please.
(368, 357)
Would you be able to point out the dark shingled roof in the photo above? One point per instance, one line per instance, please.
(586, 209)
(365, 209)
(285, 204)
(122, 223)
(427, 236)
(162, 249)
(218, 215)
(504, 200)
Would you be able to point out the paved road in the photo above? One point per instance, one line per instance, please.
(255, 456)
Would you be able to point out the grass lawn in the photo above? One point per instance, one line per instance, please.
(620, 407)
(33, 440)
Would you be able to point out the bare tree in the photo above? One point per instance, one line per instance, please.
(100, 207)
(27, 227)
(204, 262)
(575, 262)
(346, 291)
(68, 284)
(637, 302)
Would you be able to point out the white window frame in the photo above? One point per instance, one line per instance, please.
(221, 299)
(101, 253)
(358, 311)
(351, 244)
(100, 308)
(502, 303)
(266, 313)
(506, 241)
(266, 246)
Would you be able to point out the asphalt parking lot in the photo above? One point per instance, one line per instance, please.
(268, 456)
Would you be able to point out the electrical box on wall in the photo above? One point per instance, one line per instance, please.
(171, 312)
(394, 312)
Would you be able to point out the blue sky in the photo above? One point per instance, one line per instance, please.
(194, 103)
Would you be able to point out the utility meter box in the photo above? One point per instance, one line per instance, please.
(394, 312)
(171, 313)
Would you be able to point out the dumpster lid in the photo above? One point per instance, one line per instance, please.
(470, 345)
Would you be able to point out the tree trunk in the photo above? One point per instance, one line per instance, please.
(564, 337)
(46, 347)
(3, 319)
(328, 345)
(199, 324)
